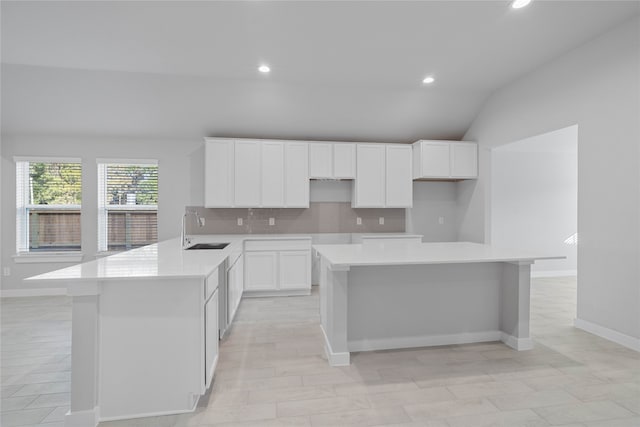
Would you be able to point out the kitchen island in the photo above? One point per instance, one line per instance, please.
(146, 324)
(144, 330)
(386, 295)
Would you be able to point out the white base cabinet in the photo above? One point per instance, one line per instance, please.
(294, 269)
(211, 337)
(155, 340)
(277, 267)
(261, 270)
(235, 288)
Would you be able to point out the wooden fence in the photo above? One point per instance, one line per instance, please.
(59, 230)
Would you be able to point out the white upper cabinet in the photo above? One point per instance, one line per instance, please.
(272, 174)
(431, 159)
(218, 173)
(296, 174)
(399, 179)
(344, 161)
(320, 160)
(445, 160)
(464, 160)
(369, 185)
(246, 173)
(328, 160)
(383, 176)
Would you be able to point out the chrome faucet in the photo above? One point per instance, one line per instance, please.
(183, 235)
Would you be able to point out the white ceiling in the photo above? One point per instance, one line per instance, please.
(340, 70)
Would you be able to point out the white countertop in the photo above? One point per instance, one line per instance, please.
(165, 259)
(422, 253)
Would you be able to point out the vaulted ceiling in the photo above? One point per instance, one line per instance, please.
(339, 70)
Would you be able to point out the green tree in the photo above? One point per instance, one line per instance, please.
(55, 183)
(130, 179)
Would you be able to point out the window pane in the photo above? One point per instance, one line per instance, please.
(132, 185)
(127, 206)
(55, 183)
(49, 197)
(131, 229)
(52, 230)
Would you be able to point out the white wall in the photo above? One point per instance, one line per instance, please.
(534, 198)
(180, 171)
(432, 201)
(597, 87)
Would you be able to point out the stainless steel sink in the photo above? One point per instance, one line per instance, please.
(208, 246)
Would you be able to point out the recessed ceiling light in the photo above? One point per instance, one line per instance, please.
(518, 4)
(264, 69)
(428, 80)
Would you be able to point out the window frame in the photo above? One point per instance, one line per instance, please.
(23, 254)
(104, 208)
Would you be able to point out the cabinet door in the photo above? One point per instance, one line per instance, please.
(218, 174)
(344, 161)
(296, 175)
(272, 174)
(211, 283)
(295, 269)
(260, 271)
(247, 174)
(210, 337)
(320, 160)
(234, 289)
(369, 185)
(435, 159)
(399, 182)
(464, 160)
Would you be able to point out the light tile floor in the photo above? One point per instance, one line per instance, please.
(272, 372)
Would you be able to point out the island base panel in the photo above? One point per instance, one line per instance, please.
(385, 307)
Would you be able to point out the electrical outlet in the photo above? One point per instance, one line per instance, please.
(6, 271)
(441, 220)
(201, 221)
(381, 220)
(272, 221)
(239, 221)
(358, 221)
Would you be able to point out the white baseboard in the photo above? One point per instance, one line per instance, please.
(424, 341)
(283, 293)
(519, 344)
(554, 273)
(88, 418)
(335, 359)
(608, 334)
(41, 292)
(147, 415)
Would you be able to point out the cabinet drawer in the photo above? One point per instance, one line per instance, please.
(277, 245)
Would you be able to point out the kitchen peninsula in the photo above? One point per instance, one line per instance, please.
(145, 324)
(385, 295)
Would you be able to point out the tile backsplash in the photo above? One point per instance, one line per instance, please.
(320, 217)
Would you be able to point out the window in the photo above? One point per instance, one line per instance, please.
(48, 205)
(127, 204)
